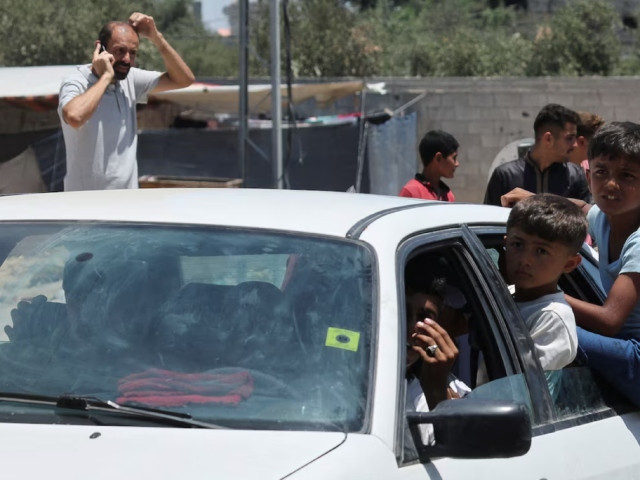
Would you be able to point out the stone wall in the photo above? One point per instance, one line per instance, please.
(486, 114)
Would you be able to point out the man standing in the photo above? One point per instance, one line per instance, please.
(97, 105)
(546, 167)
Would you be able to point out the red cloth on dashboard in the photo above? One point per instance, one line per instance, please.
(166, 388)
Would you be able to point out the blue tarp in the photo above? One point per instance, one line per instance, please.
(392, 154)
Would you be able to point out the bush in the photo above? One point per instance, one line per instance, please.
(327, 40)
(332, 38)
(423, 40)
(41, 32)
(580, 39)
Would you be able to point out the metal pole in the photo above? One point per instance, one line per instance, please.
(243, 97)
(276, 102)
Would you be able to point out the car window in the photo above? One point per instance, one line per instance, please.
(239, 328)
(26, 273)
(487, 363)
(234, 269)
(577, 394)
(496, 356)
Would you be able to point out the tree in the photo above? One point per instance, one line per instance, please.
(327, 40)
(206, 54)
(333, 38)
(368, 4)
(580, 39)
(422, 39)
(42, 32)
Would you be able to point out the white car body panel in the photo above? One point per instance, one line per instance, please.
(312, 212)
(69, 452)
(572, 453)
(301, 211)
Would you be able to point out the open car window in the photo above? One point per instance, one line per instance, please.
(496, 358)
(488, 365)
(577, 394)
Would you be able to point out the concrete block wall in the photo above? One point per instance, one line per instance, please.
(485, 114)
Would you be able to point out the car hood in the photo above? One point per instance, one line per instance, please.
(69, 452)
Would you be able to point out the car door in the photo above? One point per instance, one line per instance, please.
(585, 431)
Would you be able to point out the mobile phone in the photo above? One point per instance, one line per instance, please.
(102, 49)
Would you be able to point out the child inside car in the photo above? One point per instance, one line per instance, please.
(544, 236)
(431, 353)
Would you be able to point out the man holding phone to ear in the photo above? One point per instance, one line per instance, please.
(97, 104)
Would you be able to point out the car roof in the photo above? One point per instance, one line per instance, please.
(315, 212)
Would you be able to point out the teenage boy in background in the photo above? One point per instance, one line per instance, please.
(439, 156)
(589, 125)
(546, 167)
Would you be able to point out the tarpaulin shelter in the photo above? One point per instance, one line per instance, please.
(35, 90)
(29, 121)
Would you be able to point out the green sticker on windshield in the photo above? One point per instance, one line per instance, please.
(344, 339)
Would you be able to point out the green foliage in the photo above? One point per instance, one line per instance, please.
(467, 53)
(42, 32)
(45, 32)
(580, 39)
(367, 4)
(627, 66)
(422, 40)
(205, 53)
(209, 55)
(329, 40)
(339, 37)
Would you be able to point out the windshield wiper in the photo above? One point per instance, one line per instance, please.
(87, 403)
(74, 402)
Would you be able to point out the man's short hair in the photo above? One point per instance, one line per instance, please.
(435, 141)
(550, 217)
(589, 124)
(553, 117)
(105, 33)
(616, 139)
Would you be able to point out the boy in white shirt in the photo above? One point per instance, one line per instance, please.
(544, 236)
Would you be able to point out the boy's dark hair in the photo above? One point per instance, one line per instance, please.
(550, 217)
(616, 139)
(435, 141)
(435, 286)
(554, 117)
(589, 124)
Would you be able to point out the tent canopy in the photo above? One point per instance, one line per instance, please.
(224, 98)
(37, 86)
(29, 96)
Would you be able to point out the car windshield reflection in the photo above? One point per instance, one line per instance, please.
(239, 328)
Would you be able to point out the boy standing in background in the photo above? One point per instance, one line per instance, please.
(439, 156)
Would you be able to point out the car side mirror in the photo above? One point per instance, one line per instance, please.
(469, 428)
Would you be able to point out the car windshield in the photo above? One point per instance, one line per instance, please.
(241, 328)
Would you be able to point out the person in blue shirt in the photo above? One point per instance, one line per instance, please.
(609, 334)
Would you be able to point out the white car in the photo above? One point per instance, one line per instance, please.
(254, 334)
